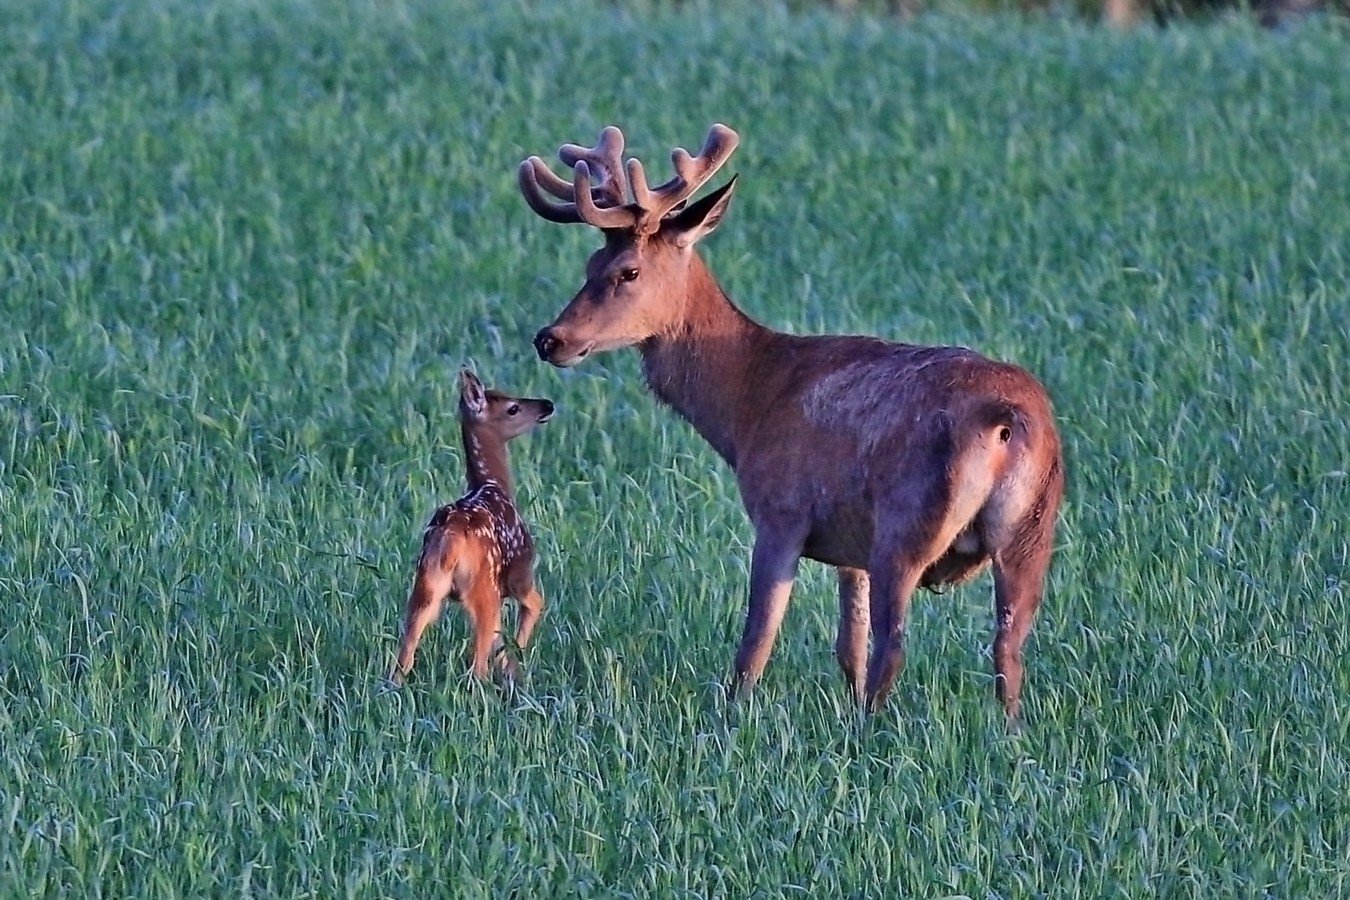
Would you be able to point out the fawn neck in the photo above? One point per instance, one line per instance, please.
(485, 455)
(704, 365)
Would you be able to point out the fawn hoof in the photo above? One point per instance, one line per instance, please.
(506, 673)
(743, 687)
(875, 702)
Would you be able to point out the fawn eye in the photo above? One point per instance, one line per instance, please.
(513, 409)
(628, 275)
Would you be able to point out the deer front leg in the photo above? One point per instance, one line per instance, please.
(850, 646)
(773, 566)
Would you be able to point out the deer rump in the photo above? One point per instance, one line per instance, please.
(916, 440)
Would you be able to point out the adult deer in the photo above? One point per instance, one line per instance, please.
(478, 549)
(902, 466)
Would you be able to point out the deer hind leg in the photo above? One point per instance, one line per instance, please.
(429, 590)
(1019, 580)
(1020, 529)
(894, 576)
(910, 543)
(850, 645)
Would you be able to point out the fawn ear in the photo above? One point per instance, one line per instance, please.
(471, 394)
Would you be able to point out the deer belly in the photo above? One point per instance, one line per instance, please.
(846, 543)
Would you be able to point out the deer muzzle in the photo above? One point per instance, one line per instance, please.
(554, 349)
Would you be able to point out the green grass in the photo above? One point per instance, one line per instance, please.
(244, 250)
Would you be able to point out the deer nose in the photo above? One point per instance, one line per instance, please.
(545, 343)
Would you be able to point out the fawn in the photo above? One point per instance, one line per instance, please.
(478, 550)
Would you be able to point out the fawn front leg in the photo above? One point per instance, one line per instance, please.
(531, 607)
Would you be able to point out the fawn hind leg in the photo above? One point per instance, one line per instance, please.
(425, 600)
(483, 605)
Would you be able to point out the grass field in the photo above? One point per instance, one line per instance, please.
(244, 250)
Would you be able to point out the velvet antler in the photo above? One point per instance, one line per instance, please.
(605, 204)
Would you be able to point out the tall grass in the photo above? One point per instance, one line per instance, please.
(244, 249)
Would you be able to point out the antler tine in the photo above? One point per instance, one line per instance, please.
(606, 158)
(558, 187)
(530, 174)
(605, 203)
(591, 213)
(692, 172)
(637, 182)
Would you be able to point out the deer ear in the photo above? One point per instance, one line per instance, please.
(696, 221)
(471, 394)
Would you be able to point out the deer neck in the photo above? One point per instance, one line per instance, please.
(703, 365)
(485, 457)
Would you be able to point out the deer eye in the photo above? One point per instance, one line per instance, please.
(629, 274)
(513, 409)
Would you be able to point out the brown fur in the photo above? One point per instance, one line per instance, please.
(478, 550)
(902, 465)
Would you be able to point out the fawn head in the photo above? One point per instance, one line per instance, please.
(637, 283)
(507, 417)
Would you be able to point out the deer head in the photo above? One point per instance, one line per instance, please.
(637, 283)
(504, 416)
